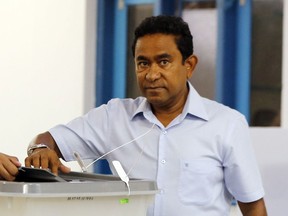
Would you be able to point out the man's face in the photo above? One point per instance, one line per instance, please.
(160, 71)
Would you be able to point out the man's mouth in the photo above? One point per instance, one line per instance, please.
(153, 87)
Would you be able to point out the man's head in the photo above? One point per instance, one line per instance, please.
(169, 25)
(164, 61)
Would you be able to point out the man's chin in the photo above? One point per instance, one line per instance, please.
(155, 100)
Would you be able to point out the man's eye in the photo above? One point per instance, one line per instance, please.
(164, 62)
(142, 64)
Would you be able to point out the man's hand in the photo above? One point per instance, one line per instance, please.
(46, 159)
(8, 167)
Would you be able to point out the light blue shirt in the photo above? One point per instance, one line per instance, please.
(200, 161)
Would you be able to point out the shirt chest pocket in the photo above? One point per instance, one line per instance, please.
(197, 181)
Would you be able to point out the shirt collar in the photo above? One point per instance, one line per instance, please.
(194, 105)
(144, 107)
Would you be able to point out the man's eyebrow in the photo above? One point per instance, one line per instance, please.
(164, 55)
(160, 56)
(139, 58)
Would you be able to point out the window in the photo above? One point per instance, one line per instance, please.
(266, 65)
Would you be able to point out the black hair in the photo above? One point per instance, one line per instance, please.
(170, 25)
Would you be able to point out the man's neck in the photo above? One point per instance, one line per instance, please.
(166, 115)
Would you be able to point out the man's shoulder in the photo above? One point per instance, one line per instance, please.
(126, 101)
(215, 108)
(127, 105)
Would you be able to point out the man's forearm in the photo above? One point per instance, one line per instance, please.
(256, 208)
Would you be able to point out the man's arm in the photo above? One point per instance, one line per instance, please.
(256, 208)
(46, 157)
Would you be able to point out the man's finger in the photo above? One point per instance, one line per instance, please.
(64, 169)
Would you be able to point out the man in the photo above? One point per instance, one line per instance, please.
(198, 151)
(8, 167)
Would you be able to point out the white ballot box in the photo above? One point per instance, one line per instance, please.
(77, 198)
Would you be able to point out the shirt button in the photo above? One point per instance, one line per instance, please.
(164, 132)
(163, 161)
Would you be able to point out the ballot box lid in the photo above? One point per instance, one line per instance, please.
(78, 184)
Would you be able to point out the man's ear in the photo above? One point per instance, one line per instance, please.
(190, 64)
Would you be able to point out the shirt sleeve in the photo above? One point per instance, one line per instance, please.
(241, 173)
(86, 135)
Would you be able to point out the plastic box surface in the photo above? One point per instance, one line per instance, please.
(76, 198)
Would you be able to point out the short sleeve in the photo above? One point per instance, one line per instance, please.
(241, 173)
(86, 135)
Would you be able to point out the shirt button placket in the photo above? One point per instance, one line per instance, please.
(163, 161)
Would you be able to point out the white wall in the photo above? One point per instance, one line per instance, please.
(46, 67)
(271, 150)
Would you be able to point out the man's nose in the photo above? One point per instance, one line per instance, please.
(153, 73)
